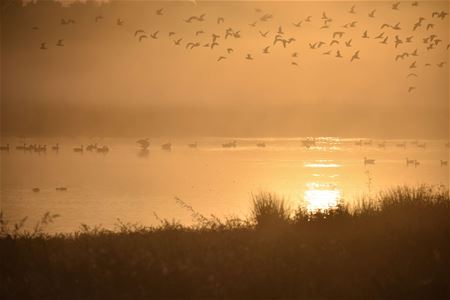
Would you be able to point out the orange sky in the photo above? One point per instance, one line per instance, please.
(104, 81)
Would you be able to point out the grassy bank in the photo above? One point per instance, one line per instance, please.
(395, 246)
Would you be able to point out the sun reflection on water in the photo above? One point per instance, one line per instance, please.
(320, 196)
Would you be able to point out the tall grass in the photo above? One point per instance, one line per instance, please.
(395, 245)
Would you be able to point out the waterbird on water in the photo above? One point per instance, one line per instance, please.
(166, 146)
(368, 161)
(78, 149)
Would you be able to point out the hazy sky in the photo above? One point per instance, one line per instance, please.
(103, 81)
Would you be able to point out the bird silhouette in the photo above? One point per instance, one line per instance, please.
(119, 22)
(338, 54)
(397, 41)
(266, 50)
(221, 58)
(177, 42)
(385, 40)
(220, 20)
(380, 36)
(199, 32)
(60, 43)
(395, 5)
(249, 57)
(280, 30)
(308, 19)
(352, 10)
(43, 46)
(154, 35)
(98, 18)
(298, 24)
(334, 42)
(142, 37)
(338, 34)
(159, 12)
(411, 75)
(365, 35)
(413, 65)
(230, 50)
(355, 56)
(348, 43)
(266, 18)
(372, 13)
(139, 31)
(411, 88)
(264, 34)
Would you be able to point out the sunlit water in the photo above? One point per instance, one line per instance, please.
(132, 186)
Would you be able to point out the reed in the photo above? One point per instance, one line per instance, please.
(394, 245)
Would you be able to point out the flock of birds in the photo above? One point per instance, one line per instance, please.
(144, 145)
(341, 37)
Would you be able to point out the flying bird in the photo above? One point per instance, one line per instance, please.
(398, 41)
(138, 32)
(355, 56)
(298, 24)
(338, 54)
(154, 35)
(159, 12)
(177, 42)
(380, 36)
(338, 33)
(142, 37)
(221, 58)
(413, 65)
(411, 88)
(249, 57)
(266, 50)
(119, 22)
(60, 43)
(352, 9)
(264, 34)
(365, 35)
(43, 46)
(372, 13)
(395, 5)
(396, 26)
(98, 18)
(220, 20)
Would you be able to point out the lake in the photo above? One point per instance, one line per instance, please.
(131, 185)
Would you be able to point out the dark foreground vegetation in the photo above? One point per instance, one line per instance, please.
(395, 246)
